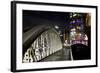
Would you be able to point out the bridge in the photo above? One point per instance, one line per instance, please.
(41, 42)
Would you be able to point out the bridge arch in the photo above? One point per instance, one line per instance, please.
(40, 43)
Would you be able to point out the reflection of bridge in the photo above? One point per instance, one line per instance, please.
(40, 42)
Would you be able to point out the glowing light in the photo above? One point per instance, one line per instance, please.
(74, 15)
(56, 27)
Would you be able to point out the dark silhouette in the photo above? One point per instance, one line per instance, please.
(80, 52)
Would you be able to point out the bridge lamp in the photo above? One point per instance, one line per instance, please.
(56, 27)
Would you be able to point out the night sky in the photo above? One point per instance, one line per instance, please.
(34, 18)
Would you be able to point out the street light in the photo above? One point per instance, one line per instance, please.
(56, 27)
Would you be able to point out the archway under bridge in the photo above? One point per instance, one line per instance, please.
(40, 42)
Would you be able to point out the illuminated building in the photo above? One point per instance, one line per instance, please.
(78, 24)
